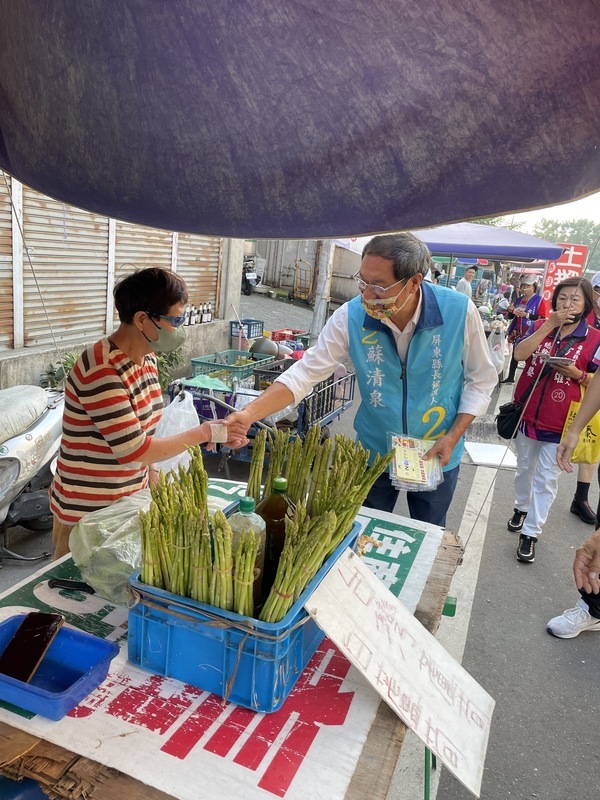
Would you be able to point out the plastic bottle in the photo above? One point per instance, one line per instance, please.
(210, 312)
(274, 509)
(244, 520)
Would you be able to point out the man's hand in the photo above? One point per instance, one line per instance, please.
(238, 424)
(565, 451)
(443, 448)
(586, 567)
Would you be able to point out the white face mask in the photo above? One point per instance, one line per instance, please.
(383, 307)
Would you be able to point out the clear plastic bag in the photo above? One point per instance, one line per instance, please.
(408, 470)
(106, 545)
(179, 416)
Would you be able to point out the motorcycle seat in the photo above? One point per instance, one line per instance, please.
(20, 407)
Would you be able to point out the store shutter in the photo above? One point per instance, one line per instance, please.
(6, 285)
(199, 264)
(137, 247)
(68, 248)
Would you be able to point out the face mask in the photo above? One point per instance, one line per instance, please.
(168, 339)
(382, 307)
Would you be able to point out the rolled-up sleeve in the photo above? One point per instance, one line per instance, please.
(480, 374)
(320, 360)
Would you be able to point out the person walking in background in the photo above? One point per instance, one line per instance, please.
(464, 284)
(547, 406)
(524, 312)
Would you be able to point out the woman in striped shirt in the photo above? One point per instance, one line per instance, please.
(113, 402)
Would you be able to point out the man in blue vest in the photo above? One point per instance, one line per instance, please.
(422, 366)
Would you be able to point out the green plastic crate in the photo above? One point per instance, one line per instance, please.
(228, 365)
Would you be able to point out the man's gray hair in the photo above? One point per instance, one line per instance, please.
(408, 254)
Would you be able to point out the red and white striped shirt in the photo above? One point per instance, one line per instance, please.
(112, 406)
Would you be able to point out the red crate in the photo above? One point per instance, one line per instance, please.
(286, 333)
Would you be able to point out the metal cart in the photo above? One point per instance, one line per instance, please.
(326, 403)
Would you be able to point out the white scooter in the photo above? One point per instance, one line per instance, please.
(30, 431)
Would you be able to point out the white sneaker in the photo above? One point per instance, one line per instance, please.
(573, 621)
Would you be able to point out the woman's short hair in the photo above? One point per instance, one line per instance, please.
(153, 290)
(408, 254)
(586, 291)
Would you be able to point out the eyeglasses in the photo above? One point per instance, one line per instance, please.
(378, 291)
(176, 322)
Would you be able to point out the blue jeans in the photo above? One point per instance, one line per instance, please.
(425, 506)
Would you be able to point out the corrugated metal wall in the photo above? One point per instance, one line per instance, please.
(64, 287)
(66, 284)
(6, 291)
(199, 264)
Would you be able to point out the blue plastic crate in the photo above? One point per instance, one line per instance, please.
(207, 647)
(253, 328)
(73, 666)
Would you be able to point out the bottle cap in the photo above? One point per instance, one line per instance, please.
(247, 505)
(280, 484)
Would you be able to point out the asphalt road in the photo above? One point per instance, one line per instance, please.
(542, 741)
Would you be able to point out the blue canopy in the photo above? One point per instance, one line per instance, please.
(262, 118)
(487, 241)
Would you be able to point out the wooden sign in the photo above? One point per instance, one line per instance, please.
(431, 692)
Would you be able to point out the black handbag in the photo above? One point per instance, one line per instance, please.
(507, 419)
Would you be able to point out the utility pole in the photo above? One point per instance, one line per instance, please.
(323, 289)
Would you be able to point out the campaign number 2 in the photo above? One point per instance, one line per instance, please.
(437, 414)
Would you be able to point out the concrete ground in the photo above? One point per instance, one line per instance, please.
(542, 743)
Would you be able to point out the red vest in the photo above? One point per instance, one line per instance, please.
(549, 402)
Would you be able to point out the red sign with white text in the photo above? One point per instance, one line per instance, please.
(569, 265)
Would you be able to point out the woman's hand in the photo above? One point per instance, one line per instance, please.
(520, 312)
(565, 451)
(563, 317)
(570, 371)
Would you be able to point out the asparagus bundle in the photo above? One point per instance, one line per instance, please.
(256, 466)
(278, 451)
(244, 559)
(307, 542)
(221, 585)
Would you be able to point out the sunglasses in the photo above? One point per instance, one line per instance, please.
(176, 322)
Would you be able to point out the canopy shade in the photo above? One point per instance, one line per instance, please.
(487, 241)
(256, 118)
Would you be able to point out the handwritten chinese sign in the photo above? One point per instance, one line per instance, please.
(431, 692)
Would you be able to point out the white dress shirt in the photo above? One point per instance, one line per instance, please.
(333, 347)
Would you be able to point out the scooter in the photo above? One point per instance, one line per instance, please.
(30, 431)
(250, 277)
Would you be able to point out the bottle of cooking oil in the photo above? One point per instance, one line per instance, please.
(243, 520)
(274, 509)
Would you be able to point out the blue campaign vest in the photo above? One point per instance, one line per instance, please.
(421, 397)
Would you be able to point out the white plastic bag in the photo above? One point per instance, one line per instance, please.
(496, 344)
(179, 416)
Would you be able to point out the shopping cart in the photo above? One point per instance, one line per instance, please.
(326, 403)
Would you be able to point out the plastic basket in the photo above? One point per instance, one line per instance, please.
(73, 666)
(253, 328)
(228, 365)
(286, 333)
(252, 663)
